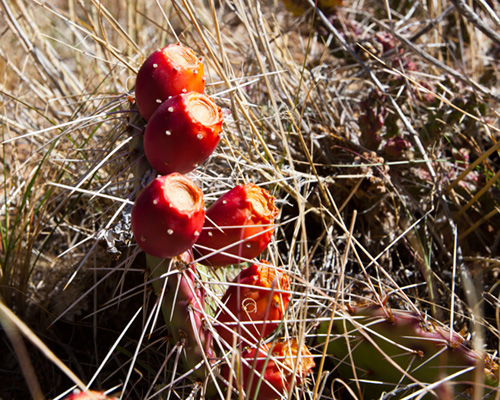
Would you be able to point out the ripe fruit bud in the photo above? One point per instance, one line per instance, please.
(239, 224)
(168, 216)
(256, 296)
(274, 367)
(182, 133)
(167, 72)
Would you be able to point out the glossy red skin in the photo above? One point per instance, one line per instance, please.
(154, 215)
(257, 304)
(182, 150)
(167, 79)
(89, 395)
(230, 219)
(275, 377)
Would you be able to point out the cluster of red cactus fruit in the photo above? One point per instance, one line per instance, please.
(169, 222)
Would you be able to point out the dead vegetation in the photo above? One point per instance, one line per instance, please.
(374, 124)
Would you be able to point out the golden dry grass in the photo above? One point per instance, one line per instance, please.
(411, 222)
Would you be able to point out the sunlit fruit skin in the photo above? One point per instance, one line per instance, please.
(168, 215)
(183, 308)
(427, 352)
(89, 395)
(242, 219)
(167, 72)
(182, 133)
(257, 295)
(275, 365)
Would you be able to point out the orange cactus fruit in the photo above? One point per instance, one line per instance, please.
(182, 133)
(238, 227)
(168, 216)
(274, 367)
(167, 72)
(254, 303)
(89, 395)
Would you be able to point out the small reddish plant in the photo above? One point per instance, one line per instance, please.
(238, 227)
(182, 133)
(168, 216)
(396, 147)
(257, 296)
(167, 72)
(268, 372)
(372, 119)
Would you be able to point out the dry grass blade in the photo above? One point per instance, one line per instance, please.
(373, 123)
(9, 318)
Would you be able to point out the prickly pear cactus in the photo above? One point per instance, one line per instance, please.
(168, 215)
(183, 310)
(397, 351)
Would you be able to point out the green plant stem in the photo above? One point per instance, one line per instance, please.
(158, 267)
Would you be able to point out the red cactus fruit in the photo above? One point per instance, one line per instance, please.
(239, 226)
(257, 297)
(182, 133)
(168, 216)
(167, 72)
(88, 395)
(274, 368)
